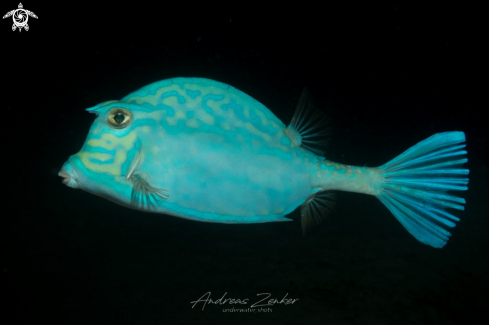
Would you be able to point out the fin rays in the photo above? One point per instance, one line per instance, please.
(145, 196)
(316, 208)
(307, 128)
(415, 185)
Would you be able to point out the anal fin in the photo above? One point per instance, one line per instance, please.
(316, 209)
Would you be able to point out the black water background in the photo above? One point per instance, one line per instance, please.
(389, 77)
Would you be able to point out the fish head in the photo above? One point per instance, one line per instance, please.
(102, 166)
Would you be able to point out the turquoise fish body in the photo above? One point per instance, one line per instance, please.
(221, 155)
(200, 149)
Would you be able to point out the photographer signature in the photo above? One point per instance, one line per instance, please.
(206, 299)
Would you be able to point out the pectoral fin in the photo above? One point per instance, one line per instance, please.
(143, 195)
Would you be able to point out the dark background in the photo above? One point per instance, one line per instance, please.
(388, 75)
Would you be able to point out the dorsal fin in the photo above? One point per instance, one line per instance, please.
(316, 208)
(308, 126)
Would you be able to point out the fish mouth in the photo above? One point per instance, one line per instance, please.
(69, 176)
(66, 177)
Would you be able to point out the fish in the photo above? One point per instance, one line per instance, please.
(203, 150)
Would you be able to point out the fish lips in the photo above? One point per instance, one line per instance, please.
(69, 176)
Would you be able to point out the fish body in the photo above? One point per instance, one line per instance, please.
(203, 150)
(221, 155)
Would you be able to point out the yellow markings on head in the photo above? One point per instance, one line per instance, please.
(113, 168)
(108, 141)
(120, 157)
(101, 156)
(146, 129)
(155, 149)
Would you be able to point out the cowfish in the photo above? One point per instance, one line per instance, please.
(199, 149)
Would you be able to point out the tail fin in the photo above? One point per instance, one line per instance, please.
(416, 182)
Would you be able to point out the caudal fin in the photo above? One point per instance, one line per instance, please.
(415, 185)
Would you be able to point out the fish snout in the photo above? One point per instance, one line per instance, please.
(69, 176)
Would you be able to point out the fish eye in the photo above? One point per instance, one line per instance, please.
(119, 118)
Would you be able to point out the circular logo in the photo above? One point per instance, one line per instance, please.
(20, 17)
